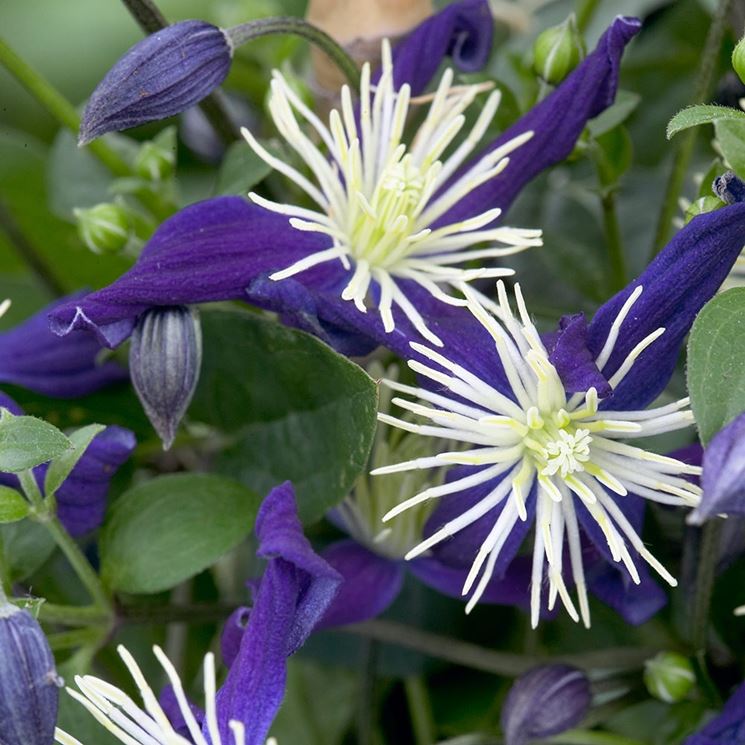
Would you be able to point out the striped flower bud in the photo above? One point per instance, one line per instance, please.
(104, 228)
(669, 676)
(544, 702)
(29, 685)
(164, 361)
(162, 75)
(738, 59)
(557, 51)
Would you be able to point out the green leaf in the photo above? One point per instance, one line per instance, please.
(296, 409)
(59, 469)
(241, 170)
(172, 527)
(26, 441)
(716, 362)
(702, 114)
(613, 154)
(13, 507)
(731, 139)
(624, 105)
(24, 547)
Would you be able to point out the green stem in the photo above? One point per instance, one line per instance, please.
(420, 709)
(75, 638)
(73, 615)
(58, 106)
(687, 140)
(150, 19)
(612, 228)
(707, 563)
(246, 32)
(591, 737)
(585, 10)
(28, 252)
(368, 680)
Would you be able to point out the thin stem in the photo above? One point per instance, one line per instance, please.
(298, 27)
(368, 679)
(28, 252)
(585, 10)
(73, 615)
(74, 638)
(150, 19)
(612, 228)
(164, 614)
(592, 737)
(420, 709)
(687, 139)
(707, 562)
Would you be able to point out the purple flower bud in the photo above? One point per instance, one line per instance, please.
(158, 77)
(29, 685)
(729, 188)
(543, 702)
(164, 361)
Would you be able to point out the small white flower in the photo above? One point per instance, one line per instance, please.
(121, 716)
(384, 203)
(539, 436)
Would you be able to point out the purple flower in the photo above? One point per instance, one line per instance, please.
(723, 477)
(162, 75)
(33, 357)
(310, 267)
(728, 727)
(538, 450)
(543, 702)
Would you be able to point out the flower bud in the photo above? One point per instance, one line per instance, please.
(544, 702)
(162, 75)
(164, 361)
(156, 159)
(729, 188)
(738, 59)
(669, 676)
(29, 684)
(103, 228)
(557, 51)
(701, 206)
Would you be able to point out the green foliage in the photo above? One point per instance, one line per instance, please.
(241, 170)
(13, 507)
(731, 140)
(60, 468)
(693, 116)
(26, 441)
(292, 408)
(172, 527)
(716, 363)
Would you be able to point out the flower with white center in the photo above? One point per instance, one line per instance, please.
(384, 203)
(536, 442)
(131, 724)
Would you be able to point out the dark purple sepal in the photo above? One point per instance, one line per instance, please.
(29, 684)
(728, 727)
(557, 123)
(232, 634)
(172, 709)
(543, 702)
(677, 284)
(296, 588)
(6, 402)
(162, 75)
(723, 477)
(32, 357)
(462, 30)
(371, 583)
(568, 353)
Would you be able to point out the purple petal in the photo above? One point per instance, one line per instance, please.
(31, 356)
(568, 352)
(728, 728)
(6, 402)
(557, 122)
(723, 477)
(170, 705)
(371, 584)
(296, 588)
(462, 30)
(232, 634)
(677, 284)
(162, 75)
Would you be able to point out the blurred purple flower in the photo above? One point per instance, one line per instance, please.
(728, 727)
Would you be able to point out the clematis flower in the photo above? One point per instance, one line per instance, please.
(545, 422)
(727, 728)
(274, 255)
(32, 357)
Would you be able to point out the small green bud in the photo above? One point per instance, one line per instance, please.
(156, 159)
(701, 206)
(557, 51)
(104, 228)
(738, 59)
(669, 676)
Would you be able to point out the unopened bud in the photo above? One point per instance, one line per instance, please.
(557, 51)
(544, 702)
(156, 159)
(164, 361)
(701, 206)
(738, 59)
(729, 188)
(29, 684)
(162, 75)
(669, 676)
(103, 228)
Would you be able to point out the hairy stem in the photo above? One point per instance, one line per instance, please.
(687, 139)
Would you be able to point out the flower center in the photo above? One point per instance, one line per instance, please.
(556, 444)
